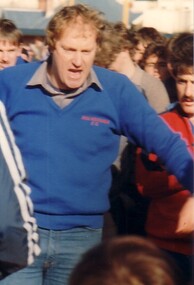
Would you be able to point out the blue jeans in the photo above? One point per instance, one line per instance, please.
(61, 250)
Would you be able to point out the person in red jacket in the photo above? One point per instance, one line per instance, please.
(170, 216)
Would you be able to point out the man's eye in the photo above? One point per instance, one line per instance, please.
(86, 51)
(150, 64)
(179, 81)
(11, 50)
(67, 49)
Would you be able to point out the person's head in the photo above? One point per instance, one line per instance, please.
(141, 38)
(154, 61)
(181, 64)
(10, 41)
(115, 48)
(128, 260)
(73, 36)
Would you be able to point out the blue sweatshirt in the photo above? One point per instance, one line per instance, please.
(68, 152)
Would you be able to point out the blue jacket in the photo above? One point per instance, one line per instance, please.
(68, 152)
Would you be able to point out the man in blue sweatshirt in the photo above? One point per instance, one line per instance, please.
(67, 117)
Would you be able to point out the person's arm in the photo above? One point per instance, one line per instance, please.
(140, 123)
(151, 175)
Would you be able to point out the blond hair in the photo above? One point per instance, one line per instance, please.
(70, 14)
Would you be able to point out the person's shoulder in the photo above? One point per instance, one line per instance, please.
(107, 74)
(151, 79)
(19, 71)
(20, 60)
(15, 77)
(147, 81)
(172, 113)
(176, 119)
(112, 79)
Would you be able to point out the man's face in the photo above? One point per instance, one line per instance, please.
(8, 54)
(73, 56)
(185, 93)
(156, 67)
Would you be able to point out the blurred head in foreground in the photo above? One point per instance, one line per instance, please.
(128, 260)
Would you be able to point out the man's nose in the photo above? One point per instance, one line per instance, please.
(77, 59)
(5, 55)
(189, 89)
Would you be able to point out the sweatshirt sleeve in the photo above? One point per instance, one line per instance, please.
(141, 124)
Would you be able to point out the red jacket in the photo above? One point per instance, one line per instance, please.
(167, 195)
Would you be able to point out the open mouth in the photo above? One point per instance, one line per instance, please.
(75, 74)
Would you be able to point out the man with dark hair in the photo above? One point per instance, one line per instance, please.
(172, 204)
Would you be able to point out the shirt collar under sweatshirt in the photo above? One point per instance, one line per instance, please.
(61, 97)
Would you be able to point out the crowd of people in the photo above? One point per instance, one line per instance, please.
(103, 116)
